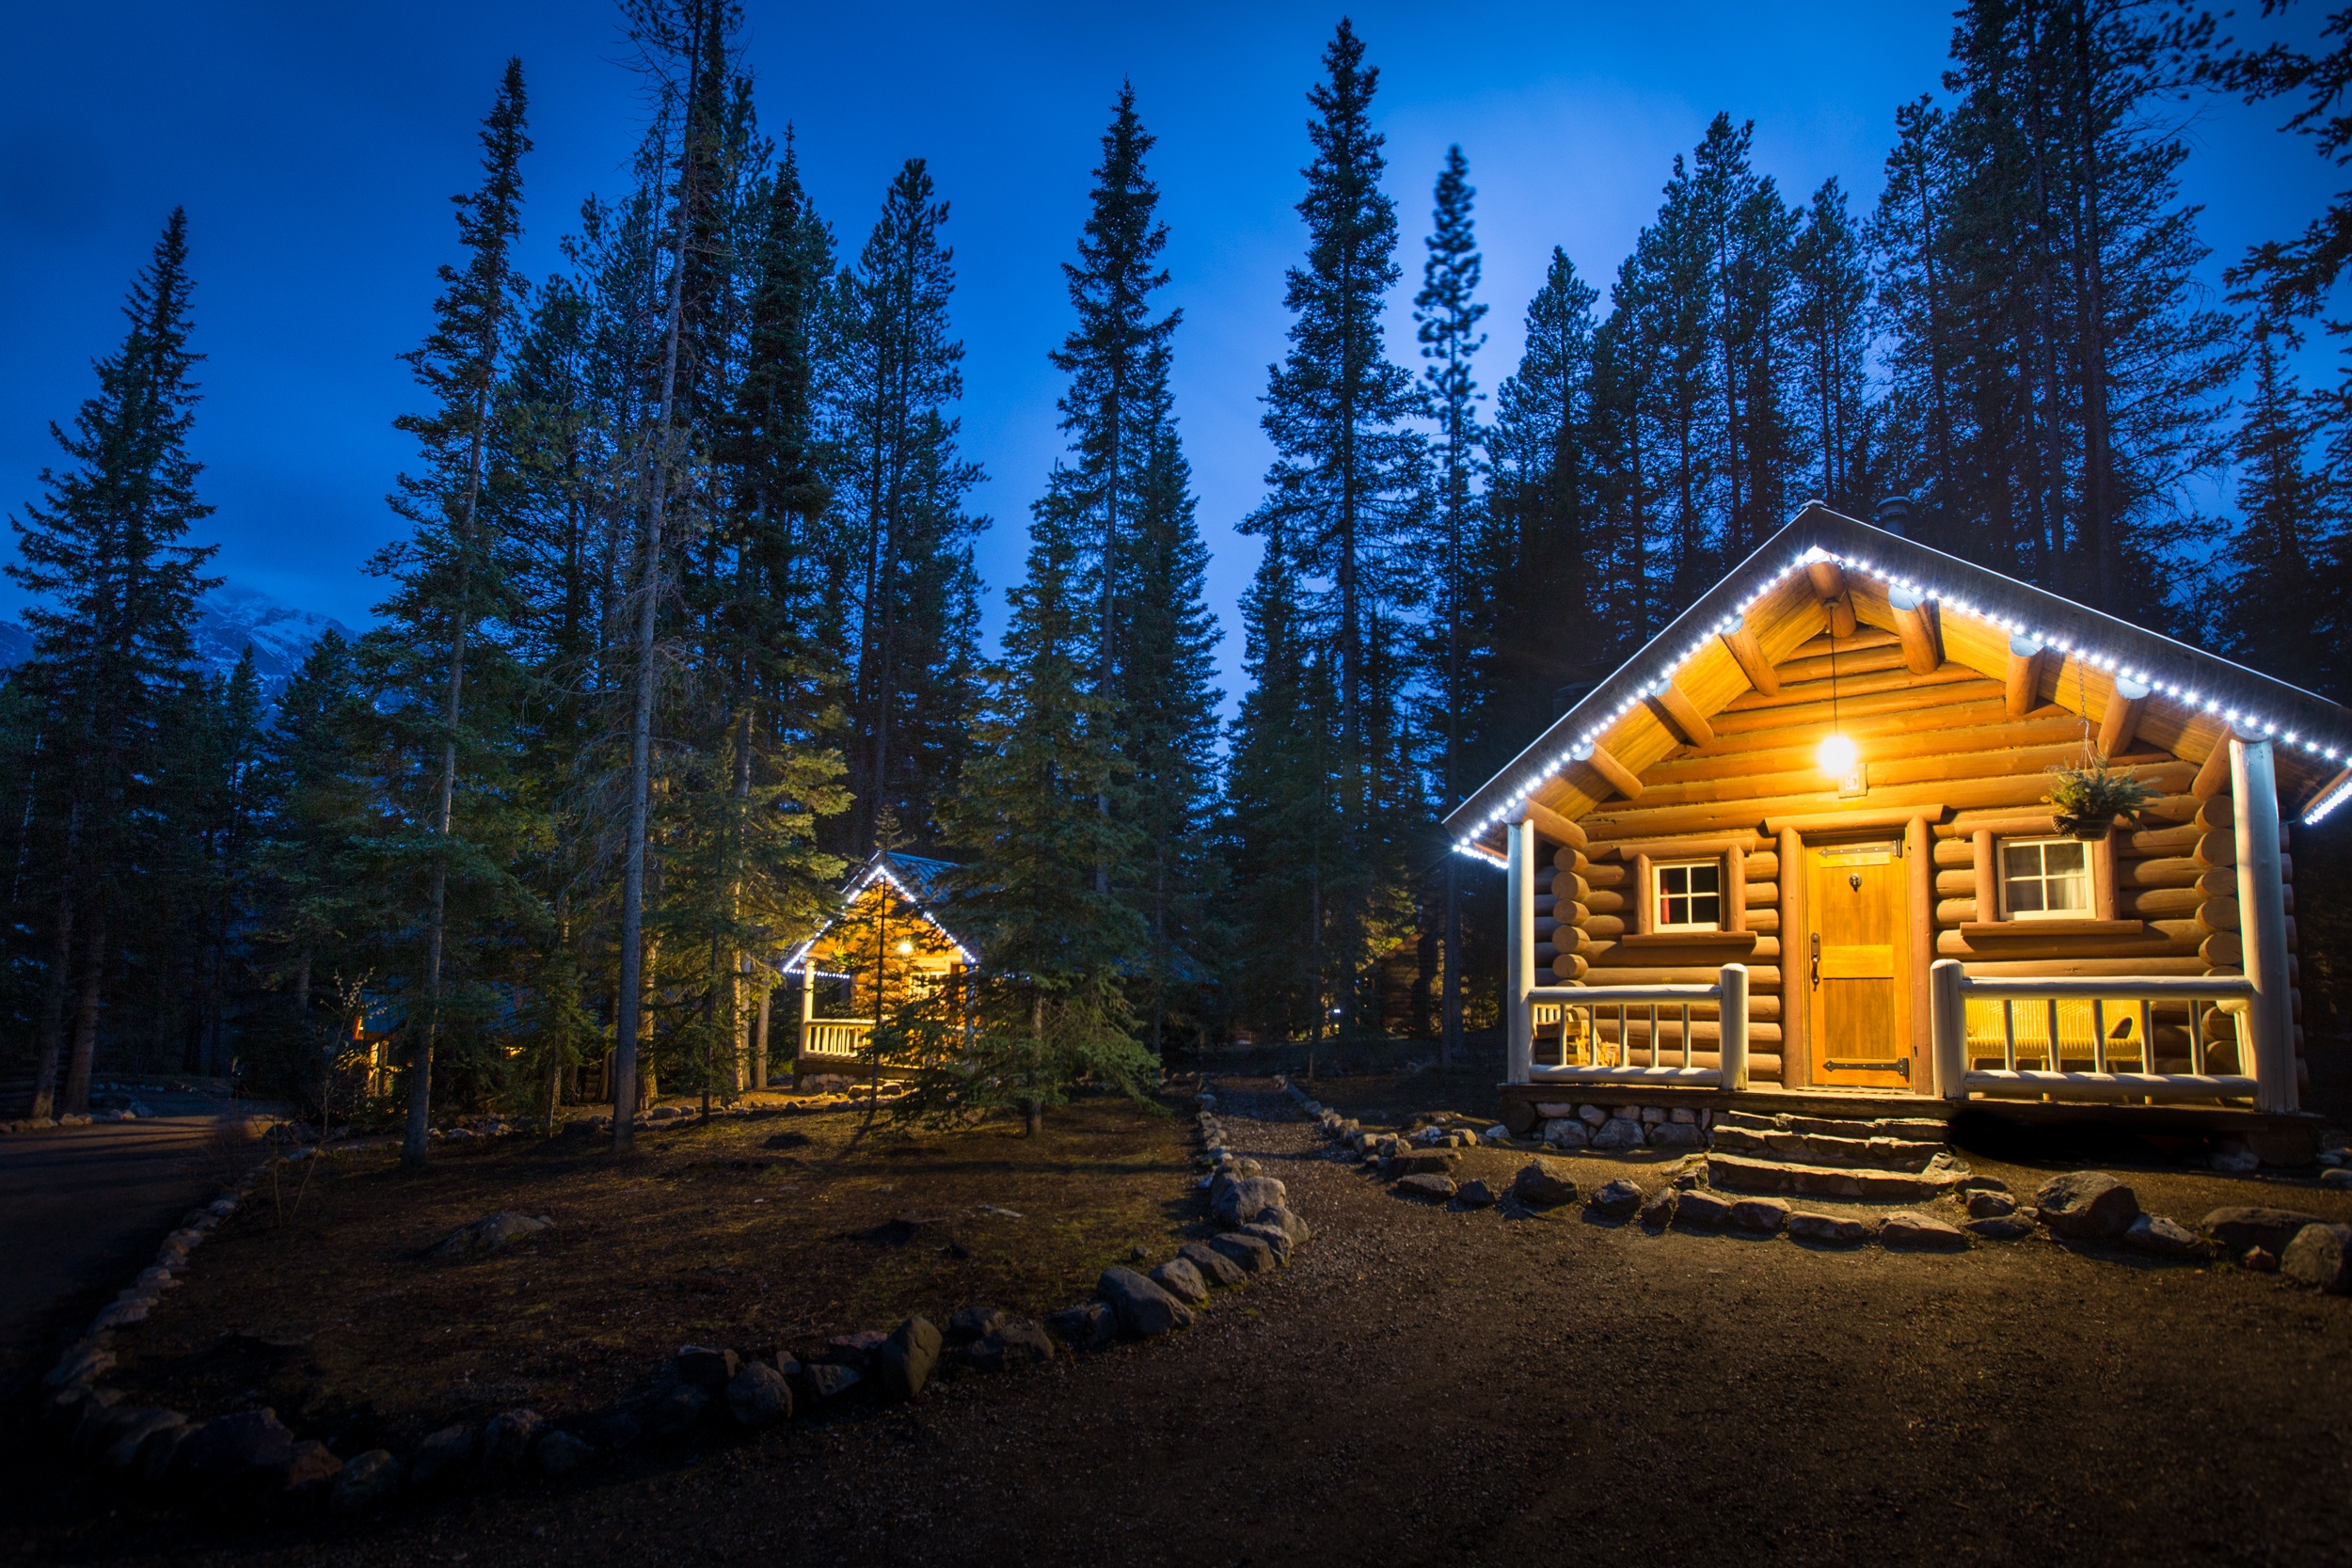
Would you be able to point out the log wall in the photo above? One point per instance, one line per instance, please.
(1946, 745)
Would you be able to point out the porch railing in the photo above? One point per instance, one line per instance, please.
(1577, 1023)
(835, 1037)
(2094, 1021)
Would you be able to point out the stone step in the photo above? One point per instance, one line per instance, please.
(1918, 1129)
(1737, 1173)
(1887, 1153)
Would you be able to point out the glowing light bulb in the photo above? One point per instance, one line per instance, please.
(906, 947)
(1837, 755)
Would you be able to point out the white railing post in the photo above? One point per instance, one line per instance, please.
(1948, 1018)
(1732, 1027)
(1517, 1006)
(2262, 922)
(808, 1008)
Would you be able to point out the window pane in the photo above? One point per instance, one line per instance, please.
(2070, 892)
(1704, 878)
(2062, 857)
(2021, 860)
(2025, 895)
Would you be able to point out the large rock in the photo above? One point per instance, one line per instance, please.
(1019, 1343)
(1826, 1229)
(1428, 1185)
(2320, 1255)
(2086, 1205)
(1145, 1310)
(1240, 1199)
(562, 1452)
(366, 1482)
(1277, 1240)
(2159, 1237)
(968, 1323)
(830, 1381)
(1474, 1194)
(1763, 1215)
(1909, 1232)
(1544, 1182)
(305, 1474)
(2239, 1228)
(1091, 1324)
(1420, 1161)
(1215, 1268)
(490, 1233)
(1617, 1200)
(1179, 1278)
(1988, 1206)
(705, 1367)
(907, 1358)
(1618, 1133)
(1287, 1222)
(2001, 1227)
(759, 1396)
(230, 1448)
(128, 1431)
(1676, 1134)
(679, 1411)
(1252, 1255)
(1697, 1207)
(506, 1442)
(1566, 1133)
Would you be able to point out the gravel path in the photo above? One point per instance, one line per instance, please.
(1425, 1385)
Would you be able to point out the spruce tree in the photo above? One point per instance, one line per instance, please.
(114, 591)
(447, 573)
(1342, 486)
(1449, 311)
(1830, 344)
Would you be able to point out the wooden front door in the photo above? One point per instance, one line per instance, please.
(1857, 963)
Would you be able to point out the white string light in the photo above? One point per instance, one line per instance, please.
(857, 890)
(2186, 696)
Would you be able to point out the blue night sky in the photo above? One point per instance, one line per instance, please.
(315, 147)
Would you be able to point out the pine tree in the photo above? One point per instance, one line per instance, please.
(1342, 482)
(2285, 604)
(447, 573)
(1830, 344)
(116, 593)
(1449, 312)
(899, 485)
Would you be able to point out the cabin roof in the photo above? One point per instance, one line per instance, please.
(918, 878)
(1982, 614)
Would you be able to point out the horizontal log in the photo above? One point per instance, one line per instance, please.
(2168, 871)
(1605, 927)
(1760, 977)
(1763, 1067)
(1761, 866)
(1897, 691)
(2222, 950)
(1608, 874)
(1543, 903)
(2157, 843)
(1959, 853)
(2162, 939)
(1569, 968)
(1956, 885)
(2217, 914)
(1854, 659)
(1955, 911)
(2105, 968)
(1608, 901)
(2033, 762)
(1652, 823)
(2157, 903)
(1976, 726)
(1702, 1031)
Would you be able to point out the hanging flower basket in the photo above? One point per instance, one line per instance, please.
(2089, 800)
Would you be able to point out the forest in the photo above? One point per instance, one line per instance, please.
(686, 623)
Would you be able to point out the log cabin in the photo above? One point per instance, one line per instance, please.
(1797, 856)
(885, 946)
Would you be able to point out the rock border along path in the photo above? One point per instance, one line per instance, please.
(250, 1460)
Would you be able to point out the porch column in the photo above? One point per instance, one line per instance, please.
(2262, 922)
(1519, 1011)
(808, 1008)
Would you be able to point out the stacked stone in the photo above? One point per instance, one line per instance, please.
(1613, 1127)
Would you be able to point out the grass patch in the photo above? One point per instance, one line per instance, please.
(761, 1233)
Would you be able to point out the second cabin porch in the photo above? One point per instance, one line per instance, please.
(885, 949)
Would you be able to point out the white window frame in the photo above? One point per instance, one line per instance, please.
(1660, 869)
(2088, 875)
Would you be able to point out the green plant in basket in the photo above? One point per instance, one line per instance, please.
(2086, 802)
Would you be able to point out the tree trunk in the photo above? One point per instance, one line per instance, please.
(77, 1074)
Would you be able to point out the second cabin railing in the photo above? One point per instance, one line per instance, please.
(2096, 1022)
(835, 1037)
(1600, 1025)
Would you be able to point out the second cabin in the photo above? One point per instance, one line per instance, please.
(1798, 849)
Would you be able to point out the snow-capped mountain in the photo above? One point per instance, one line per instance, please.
(228, 619)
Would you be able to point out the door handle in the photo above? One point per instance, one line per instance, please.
(1817, 960)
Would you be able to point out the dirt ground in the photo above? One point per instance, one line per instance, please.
(1426, 1385)
(760, 1233)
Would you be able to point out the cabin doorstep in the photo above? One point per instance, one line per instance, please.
(1796, 855)
(885, 946)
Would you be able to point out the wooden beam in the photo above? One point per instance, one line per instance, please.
(2120, 723)
(1796, 1058)
(1917, 624)
(1615, 774)
(1830, 821)
(2213, 777)
(1748, 652)
(2025, 676)
(1918, 848)
(1829, 585)
(1548, 823)
(1674, 705)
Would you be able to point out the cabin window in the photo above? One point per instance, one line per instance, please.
(2045, 879)
(1690, 895)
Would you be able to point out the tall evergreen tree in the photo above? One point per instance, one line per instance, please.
(115, 595)
(899, 484)
(447, 573)
(1449, 311)
(1344, 482)
(1830, 346)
